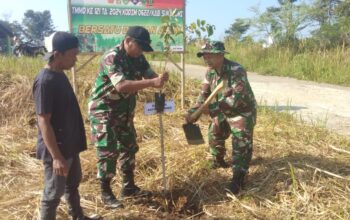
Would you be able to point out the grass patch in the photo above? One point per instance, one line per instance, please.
(332, 66)
(296, 173)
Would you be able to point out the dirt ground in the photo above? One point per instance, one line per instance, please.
(319, 103)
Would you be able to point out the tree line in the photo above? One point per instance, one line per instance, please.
(34, 26)
(313, 24)
(293, 23)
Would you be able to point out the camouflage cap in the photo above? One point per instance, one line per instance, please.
(212, 47)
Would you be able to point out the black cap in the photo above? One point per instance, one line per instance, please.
(141, 36)
(60, 41)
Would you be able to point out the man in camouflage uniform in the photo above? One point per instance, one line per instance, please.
(123, 71)
(233, 111)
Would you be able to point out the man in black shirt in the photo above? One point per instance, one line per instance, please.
(61, 135)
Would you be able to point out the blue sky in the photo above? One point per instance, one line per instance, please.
(220, 13)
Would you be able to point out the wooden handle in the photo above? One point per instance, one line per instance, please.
(208, 100)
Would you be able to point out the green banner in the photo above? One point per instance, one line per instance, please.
(102, 24)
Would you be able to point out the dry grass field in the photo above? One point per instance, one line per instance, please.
(299, 171)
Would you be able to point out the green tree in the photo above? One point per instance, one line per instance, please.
(333, 19)
(284, 22)
(37, 25)
(168, 29)
(323, 11)
(5, 37)
(327, 36)
(342, 12)
(201, 30)
(18, 30)
(238, 29)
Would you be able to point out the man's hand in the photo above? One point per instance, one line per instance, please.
(132, 86)
(188, 118)
(59, 164)
(227, 92)
(160, 80)
(206, 110)
(60, 167)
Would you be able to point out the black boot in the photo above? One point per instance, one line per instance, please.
(83, 217)
(108, 198)
(217, 162)
(73, 201)
(129, 189)
(237, 182)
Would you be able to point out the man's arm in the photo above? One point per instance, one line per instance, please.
(204, 94)
(236, 97)
(131, 86)
(60, 166)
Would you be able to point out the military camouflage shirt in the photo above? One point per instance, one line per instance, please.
(237, 97)
(105, 101)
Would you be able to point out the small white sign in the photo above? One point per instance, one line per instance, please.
(150, 108)
(177, 48)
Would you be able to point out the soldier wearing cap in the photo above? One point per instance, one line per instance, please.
(123, 72)
(233, 112)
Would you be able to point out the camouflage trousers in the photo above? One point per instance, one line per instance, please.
(241, 130)
(114, 145)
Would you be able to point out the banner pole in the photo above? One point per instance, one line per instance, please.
(183, 82)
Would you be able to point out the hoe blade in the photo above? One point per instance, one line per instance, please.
(193, 134)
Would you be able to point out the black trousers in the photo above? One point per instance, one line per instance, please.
(57, 186)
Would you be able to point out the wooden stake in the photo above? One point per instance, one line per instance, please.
(162, 150)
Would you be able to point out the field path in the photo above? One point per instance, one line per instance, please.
(321, 103)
